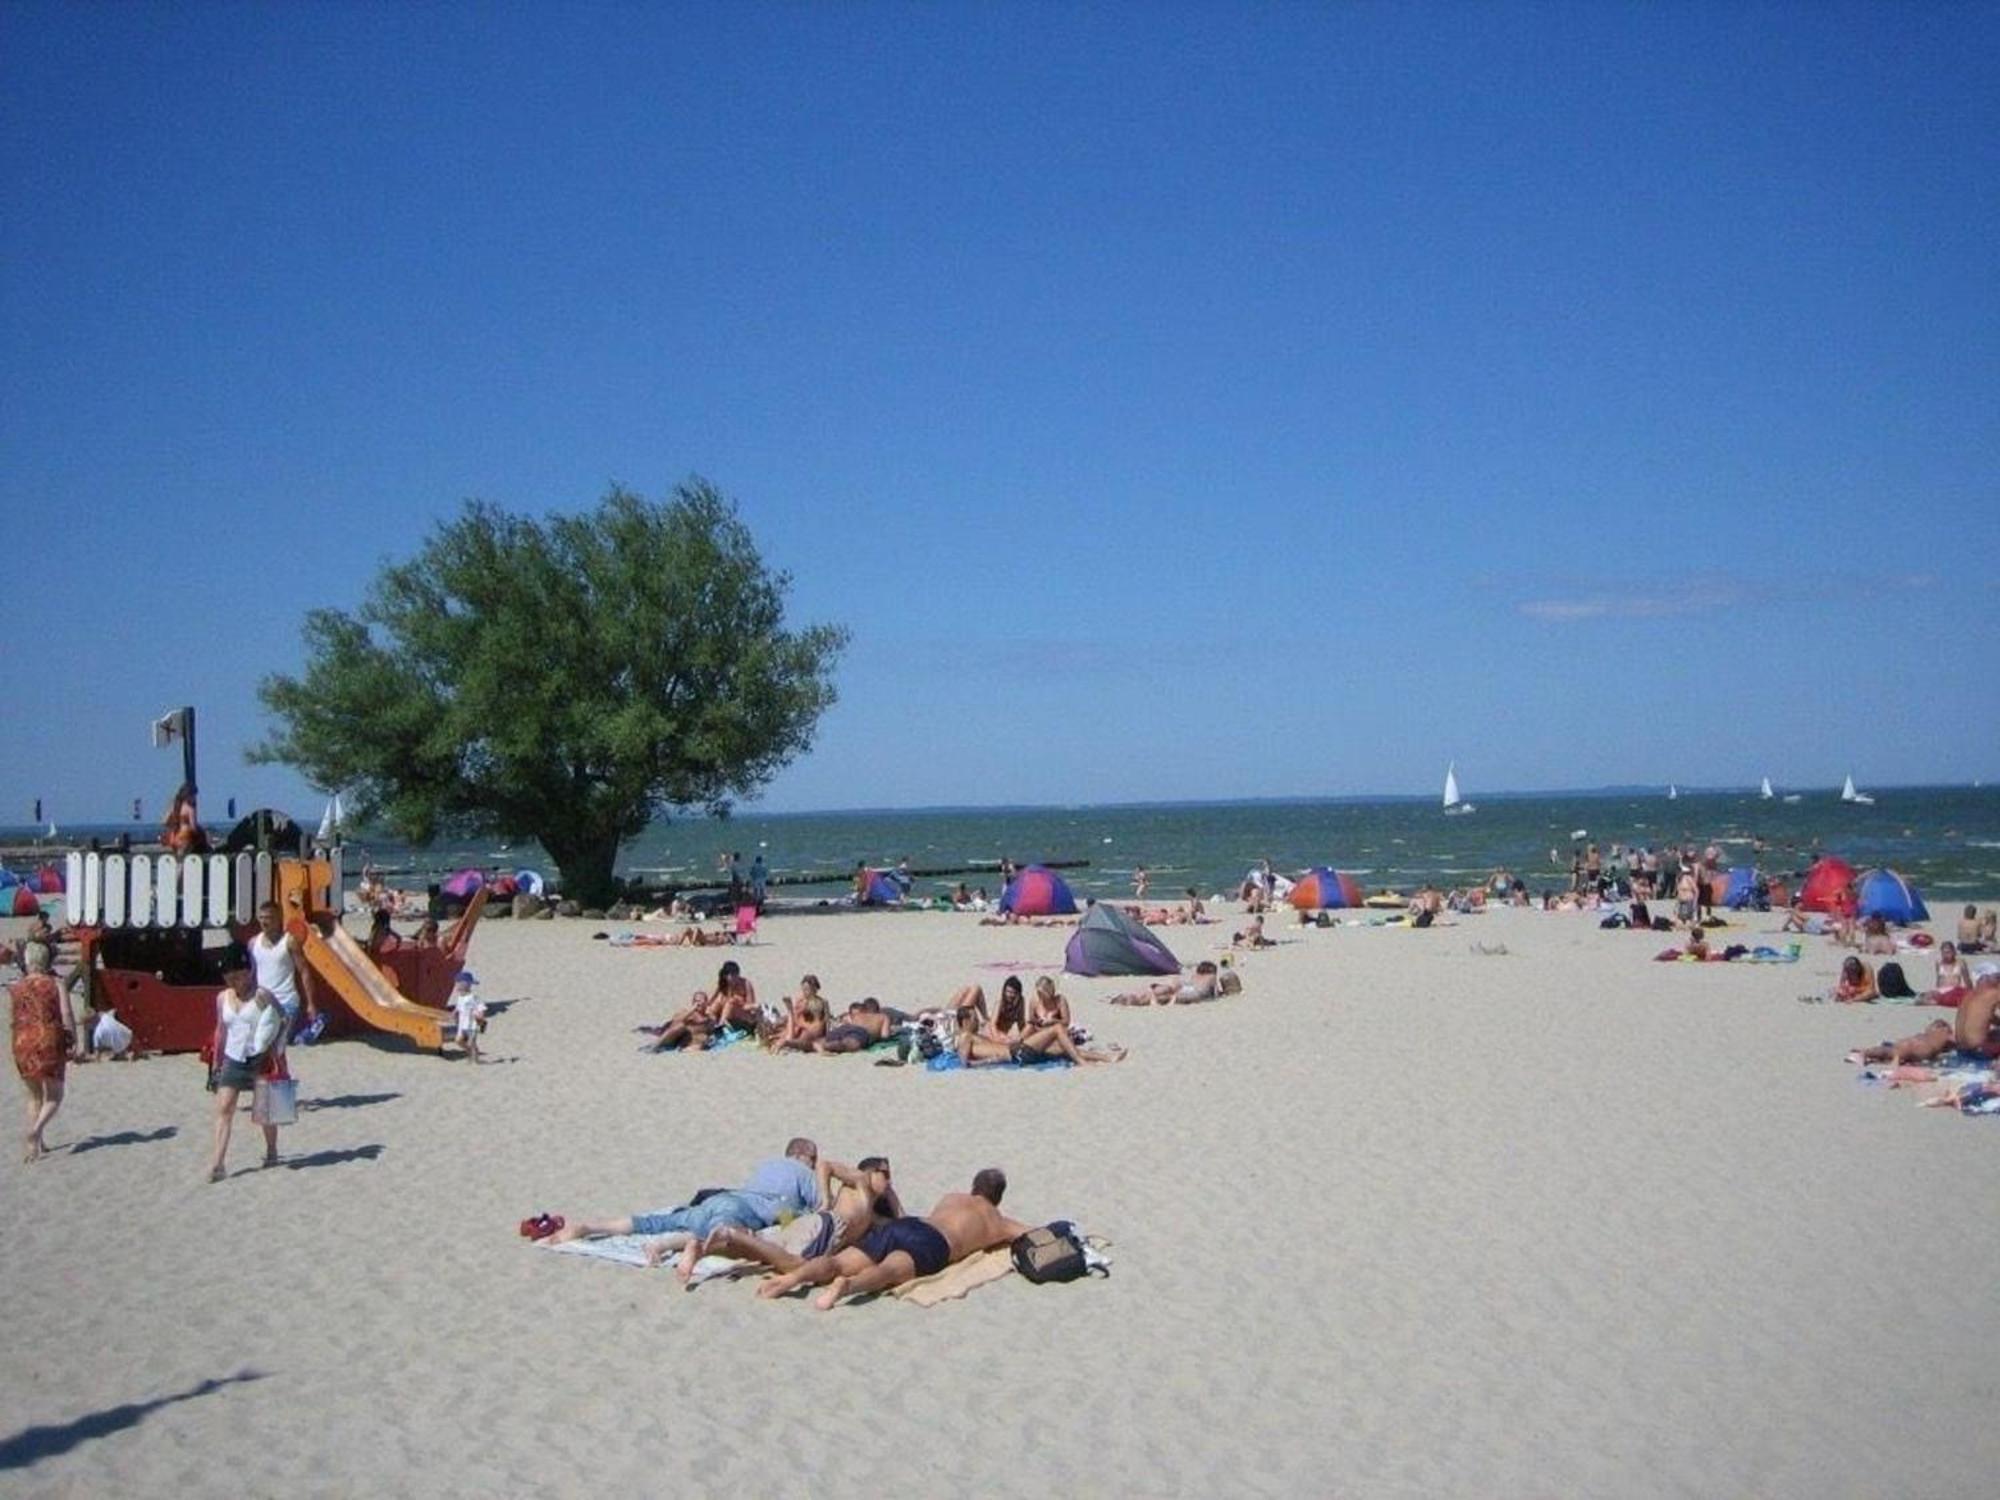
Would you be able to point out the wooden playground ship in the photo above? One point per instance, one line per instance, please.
(150, 931)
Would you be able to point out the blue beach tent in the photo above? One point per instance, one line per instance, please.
(1885, 894)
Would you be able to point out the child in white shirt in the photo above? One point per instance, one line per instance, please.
(471, 1012)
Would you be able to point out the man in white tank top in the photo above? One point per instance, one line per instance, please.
(281, 968)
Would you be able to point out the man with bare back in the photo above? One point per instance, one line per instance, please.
(903, 1249)
(867, 1197)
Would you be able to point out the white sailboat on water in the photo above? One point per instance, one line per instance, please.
(1765, 791)
(329, 822)
(1454, 805)
(1673, 792)
(1848, 794)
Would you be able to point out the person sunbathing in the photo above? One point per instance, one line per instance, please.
(1856, 985)
(1046, 1035)
(1251, 936)
(902, 1249)
(698, 937)
(860, 1028)
(776, 1188)
(1971, 1034)
(1206, 983)
(1876, 937)
(707, 1011)
(1968, 931)
(867, 1197)
(1010, 1014)
(805, 1020)
(1954, 978)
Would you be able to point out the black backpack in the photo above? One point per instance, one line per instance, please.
(1053, 1252)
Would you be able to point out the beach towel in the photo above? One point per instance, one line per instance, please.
(951, 1062)
(975, 1271)
(954, 1281)
(630, 1250)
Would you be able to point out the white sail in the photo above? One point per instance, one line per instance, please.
(1766, 793)
(1672, 791)
(339, 817)
(326, 821)
(1847, 792)
(1453, 803)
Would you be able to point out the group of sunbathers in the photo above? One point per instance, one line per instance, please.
(818, 1222)
(1972, 1035)
(1013, 1031)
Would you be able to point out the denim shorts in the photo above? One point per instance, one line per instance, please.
(736, 1210)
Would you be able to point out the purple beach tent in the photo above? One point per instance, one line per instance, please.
(1107, 941)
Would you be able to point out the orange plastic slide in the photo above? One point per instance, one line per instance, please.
(345, 964)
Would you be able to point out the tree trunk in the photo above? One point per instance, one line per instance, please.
(584, 860)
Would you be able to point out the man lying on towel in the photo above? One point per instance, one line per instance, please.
(903, 1249)
(867, 1198)
(778, 1188)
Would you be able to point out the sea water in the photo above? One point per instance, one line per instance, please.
(1945, 839)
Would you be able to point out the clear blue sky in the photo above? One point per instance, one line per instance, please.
(1176, 401)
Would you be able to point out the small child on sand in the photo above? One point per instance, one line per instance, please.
(471, 1012)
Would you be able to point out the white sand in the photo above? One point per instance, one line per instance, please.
(1401, 1220)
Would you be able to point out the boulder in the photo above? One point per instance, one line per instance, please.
(525, 905)
(568, 909)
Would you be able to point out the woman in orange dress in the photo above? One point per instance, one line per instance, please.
(44, 1035)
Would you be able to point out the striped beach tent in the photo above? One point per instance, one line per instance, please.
(1324, 889)
(1038, 892)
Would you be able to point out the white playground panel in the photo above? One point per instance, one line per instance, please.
(163, 890)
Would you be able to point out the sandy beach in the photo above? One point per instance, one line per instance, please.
(1404, 1219)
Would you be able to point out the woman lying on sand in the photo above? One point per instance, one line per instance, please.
(1207, 983)
(976, 1049)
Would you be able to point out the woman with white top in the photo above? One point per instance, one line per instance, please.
(249, 1023)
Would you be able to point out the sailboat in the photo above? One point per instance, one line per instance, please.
(1848, 794)
(329, 822)
(1672, 791)
(1453, 803)
(1765, 791)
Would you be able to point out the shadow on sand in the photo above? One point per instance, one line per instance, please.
(33, 1444)
(332, 1158)
(125, 1138)
(345, 1101)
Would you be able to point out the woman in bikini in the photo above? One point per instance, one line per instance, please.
(1954, 978)
(805, 1019)
(707, 1011)
(1046, 1036)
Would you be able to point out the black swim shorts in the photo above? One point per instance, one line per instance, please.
(916, 1238)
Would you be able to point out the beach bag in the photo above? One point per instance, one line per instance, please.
(1890, 983)
(276, 1101)
(111, 1034)
(1053, 1252)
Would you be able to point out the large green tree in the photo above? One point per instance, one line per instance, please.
(567, 680)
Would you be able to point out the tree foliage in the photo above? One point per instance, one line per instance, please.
(568, 680)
